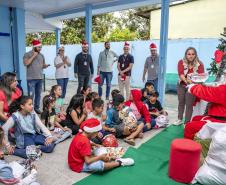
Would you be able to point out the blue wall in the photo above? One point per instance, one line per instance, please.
(140, 50)
(6, 54)
(11, 58)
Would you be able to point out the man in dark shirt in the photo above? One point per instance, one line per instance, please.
(83, 67)
(125, 64)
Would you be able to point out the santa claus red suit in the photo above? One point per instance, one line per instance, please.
(216, 111)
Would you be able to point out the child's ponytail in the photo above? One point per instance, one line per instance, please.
(53, 88)
(15, 105)
(46, 101)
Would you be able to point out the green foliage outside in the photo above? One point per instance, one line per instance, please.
(125, 26)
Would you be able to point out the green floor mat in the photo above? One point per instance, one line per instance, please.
(151, 163)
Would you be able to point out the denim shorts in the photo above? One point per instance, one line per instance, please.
(97, 166)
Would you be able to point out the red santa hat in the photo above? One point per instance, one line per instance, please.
(97, 79)
(91, 125)
(84, 43)
(126, 45)
(36, 43)
(153, 46)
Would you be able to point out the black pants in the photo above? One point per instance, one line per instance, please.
(83, 81)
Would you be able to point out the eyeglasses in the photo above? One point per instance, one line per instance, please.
(61, 50)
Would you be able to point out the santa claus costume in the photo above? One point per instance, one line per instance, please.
(216, 111)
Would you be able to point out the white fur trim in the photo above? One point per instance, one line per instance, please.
(37, 45)
(190, 86)
(93, 129)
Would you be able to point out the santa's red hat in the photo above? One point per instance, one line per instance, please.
(126, 45)
(36, 43)
(153, 46)
(97, 79)
(123, 77)
(91, 125)
(84, 43)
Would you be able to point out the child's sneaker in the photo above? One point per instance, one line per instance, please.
(30, 178)
(126, 161)
(178, 122)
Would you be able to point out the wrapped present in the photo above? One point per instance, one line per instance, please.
(199, 78)
(128, 118)
(111, 152)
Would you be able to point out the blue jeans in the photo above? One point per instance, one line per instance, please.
(108, 76)
(63, 83)
(155, 83)
(97, 166)
(145, 129)
(33, 139)
(34, 90)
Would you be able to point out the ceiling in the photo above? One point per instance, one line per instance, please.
(46, 15)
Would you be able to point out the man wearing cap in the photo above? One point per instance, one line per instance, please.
(35, 63)
(125, 64)
(151, 66)
(83, 67)
(105, 68)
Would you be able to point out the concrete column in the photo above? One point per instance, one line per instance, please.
(163, 48)
(57, 32)
(88, 15)
(19, 45)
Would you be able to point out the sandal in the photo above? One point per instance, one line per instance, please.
(130, 141)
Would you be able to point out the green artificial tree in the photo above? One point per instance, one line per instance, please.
(214, 68)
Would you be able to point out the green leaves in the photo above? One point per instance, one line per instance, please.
(213, 70)
(120, 26)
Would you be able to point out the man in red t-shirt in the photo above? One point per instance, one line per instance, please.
(79, 154)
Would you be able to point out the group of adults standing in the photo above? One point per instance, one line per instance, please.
(34, 61)
(84, 71)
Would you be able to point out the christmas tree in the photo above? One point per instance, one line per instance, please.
(215, 69)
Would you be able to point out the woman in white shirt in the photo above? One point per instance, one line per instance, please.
(62, 63)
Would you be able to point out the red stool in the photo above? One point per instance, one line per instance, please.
(184, 160)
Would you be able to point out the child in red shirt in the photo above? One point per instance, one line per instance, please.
(80, 157)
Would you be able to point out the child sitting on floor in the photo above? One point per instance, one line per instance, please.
(56, 92)
(150, 87)
(113, 93)
(140, 110)
(147, 90)
(29, 130)
(49, 118)
(118, 127)
(80, 157)
(89, 99)
(76, 113)
(154, 106)
(97, 113)
(7, 171)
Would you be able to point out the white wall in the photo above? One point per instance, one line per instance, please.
(140, 50)
(196, 19)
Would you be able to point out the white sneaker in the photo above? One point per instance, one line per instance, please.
(126, 161)
(30, 178)
(178, 122)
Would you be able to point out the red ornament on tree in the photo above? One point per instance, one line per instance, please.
(218, 56)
